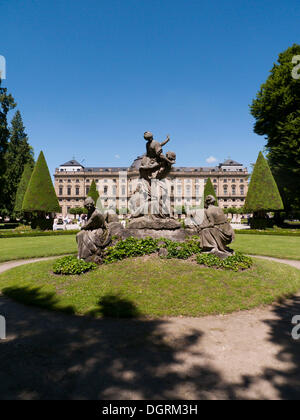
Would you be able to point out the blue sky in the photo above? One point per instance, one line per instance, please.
(90, 77)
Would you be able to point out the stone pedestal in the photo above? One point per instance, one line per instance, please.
(177, 234)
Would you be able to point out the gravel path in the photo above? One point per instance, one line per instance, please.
(248, 354)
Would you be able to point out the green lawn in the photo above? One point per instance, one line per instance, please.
(150, 286)
(42, 246)
(272, 246)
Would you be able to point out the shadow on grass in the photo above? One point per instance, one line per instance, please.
(109, 306)
(115, 306)
(36, 296)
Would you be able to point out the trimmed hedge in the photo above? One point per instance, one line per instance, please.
(40, 195)
(263, 194)
(33, 234)
(209, 190)
(267, 232)
(6, 226)
(73, 232)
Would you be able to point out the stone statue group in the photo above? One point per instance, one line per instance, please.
(151, 212)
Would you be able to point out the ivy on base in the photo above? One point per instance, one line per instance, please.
(132, 247)
(71, 265)
(235, 262)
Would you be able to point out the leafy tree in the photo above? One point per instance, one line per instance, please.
(263, 194)
(40, 197)
(93, 192)
(6, 104)
(23, 184)
(78, 211)
(18, 153)
(209, 190)
(277, 113)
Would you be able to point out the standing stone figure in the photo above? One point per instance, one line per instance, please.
(94, 235)
(215, 231)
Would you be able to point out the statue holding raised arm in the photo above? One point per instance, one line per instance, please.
(151, 204)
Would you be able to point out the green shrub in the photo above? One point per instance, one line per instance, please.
(235, 262)
(131, 247)
(41, 223)
(71, 265)
(261, 223)
(181, 250)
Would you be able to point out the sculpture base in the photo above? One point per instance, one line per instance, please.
(178, 234)
(153, 223)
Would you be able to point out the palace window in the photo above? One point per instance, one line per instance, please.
(60, 190)
(69, 191)
(77, 191)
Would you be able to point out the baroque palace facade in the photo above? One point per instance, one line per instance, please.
(117, 184)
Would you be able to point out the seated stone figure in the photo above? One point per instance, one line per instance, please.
(215, 231)
(94, 235)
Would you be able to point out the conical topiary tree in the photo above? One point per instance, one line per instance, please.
(22, 187)
(209, 190)
(93, 192)
(40, 197)
(263, 194)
